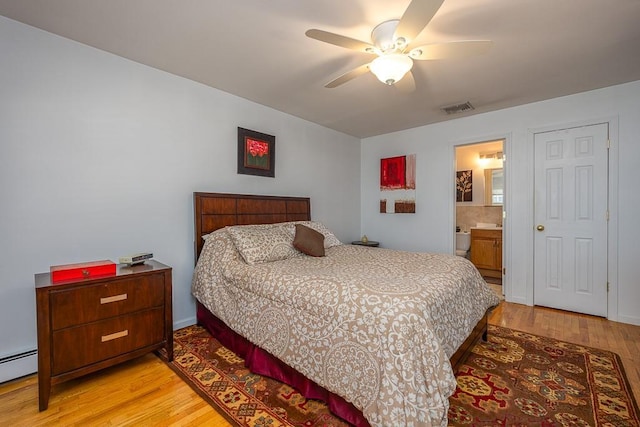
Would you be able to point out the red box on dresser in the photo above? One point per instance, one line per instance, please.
(83, 270)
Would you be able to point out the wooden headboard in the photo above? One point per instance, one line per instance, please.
(217, 210)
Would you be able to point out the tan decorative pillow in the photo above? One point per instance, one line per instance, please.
(263, 243)
(309, 241)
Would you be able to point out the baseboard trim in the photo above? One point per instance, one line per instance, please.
(18, 365)
(632, 320)
(184, 323)
(517, 300)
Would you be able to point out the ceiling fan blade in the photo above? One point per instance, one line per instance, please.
(407, 84)
(451, 50)
(350, 75)
(416, 17)
(342, 41)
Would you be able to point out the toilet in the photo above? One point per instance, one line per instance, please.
(463, 243)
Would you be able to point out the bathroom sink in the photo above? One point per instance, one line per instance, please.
(486, 225)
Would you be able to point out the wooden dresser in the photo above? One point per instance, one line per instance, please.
(88, 325)
(486, 251)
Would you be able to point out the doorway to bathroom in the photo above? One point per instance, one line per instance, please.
(480, 197)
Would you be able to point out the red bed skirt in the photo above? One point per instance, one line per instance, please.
(263, 363)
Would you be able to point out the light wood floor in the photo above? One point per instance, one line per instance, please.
(145, 392)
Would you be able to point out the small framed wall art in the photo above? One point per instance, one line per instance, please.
(464, 186)
(256, 153)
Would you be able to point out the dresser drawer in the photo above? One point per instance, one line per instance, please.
(83, 345)
(95, 302)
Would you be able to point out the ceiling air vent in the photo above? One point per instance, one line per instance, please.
(458, 108)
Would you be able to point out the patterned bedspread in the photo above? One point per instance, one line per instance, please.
(375, 326)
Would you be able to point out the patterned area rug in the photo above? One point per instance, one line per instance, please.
(515, 379)
(520, 379)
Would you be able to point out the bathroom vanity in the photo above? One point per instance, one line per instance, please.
(486, 251)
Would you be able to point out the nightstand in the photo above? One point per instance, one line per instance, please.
(369, 243)
(92, 324)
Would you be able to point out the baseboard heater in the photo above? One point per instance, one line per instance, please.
(18, 365)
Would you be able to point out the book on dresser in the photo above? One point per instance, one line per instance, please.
(91, 324)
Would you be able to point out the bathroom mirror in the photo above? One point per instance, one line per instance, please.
(493, 187)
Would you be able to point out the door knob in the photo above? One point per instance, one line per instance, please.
(540, 227)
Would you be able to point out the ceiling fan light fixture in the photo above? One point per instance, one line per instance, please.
(390, 69)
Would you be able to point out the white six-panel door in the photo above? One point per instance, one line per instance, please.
(570, 253)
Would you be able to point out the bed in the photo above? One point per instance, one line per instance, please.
(371, 331)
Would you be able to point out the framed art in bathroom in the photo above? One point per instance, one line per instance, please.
(464, 186)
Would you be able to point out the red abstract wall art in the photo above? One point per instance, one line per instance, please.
(398, 184)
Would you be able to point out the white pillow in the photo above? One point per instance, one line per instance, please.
(263, 242)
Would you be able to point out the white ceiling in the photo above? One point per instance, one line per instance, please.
(258, 50)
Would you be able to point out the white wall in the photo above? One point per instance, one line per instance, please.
(99, 157)
(431, 228)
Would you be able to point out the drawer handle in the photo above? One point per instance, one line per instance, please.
(114, 298)
(115, 335)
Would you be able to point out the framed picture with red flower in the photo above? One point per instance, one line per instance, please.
(256, 153)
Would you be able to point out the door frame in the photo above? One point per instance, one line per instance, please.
(507, 139)
(612, 226)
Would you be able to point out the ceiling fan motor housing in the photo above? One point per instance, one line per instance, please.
(384, 38)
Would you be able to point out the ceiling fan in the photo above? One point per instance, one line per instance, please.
(392, 43)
